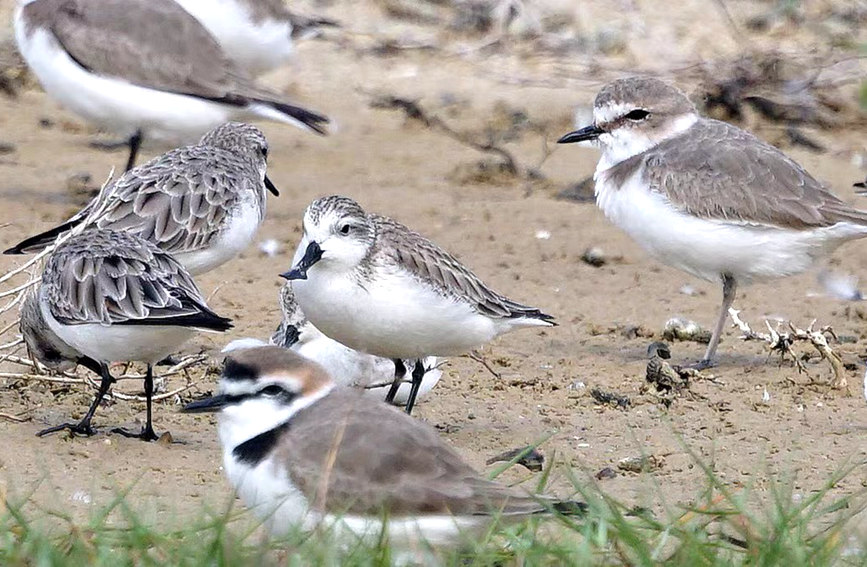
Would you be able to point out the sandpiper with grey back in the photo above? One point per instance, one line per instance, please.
(302, 451)
(707, 197)
(372, 374)
(376, 286)
(256, 34)
(145, 69)
(202, 203)
(108, 296)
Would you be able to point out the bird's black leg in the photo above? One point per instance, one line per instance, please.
(417, 377)
(83, 427)
(399, 373)
(134, 145)
(147, 432)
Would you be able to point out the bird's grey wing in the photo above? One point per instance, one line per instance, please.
(412, 470)
(156, 44)
(725, 173)
(178, 201)
(115, 278)
(435, 266)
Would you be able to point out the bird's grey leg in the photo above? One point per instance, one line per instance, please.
(417, 377)
(134, 145)
(147, 432)
(729, 291)
(83, 427)
(399, 373)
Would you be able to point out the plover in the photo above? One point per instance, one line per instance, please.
(145, 69)
(108, 296)
(256, 34)
(373, 374)
(707, 197)
(374, 285)
(301, 451)
(203, 203)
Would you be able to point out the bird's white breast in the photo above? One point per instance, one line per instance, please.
(391, 315)
(238, 231)
(709, 248)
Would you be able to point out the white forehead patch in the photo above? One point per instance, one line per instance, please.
(611, 111)
(238, 387)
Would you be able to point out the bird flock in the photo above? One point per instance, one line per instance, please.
(369, 307)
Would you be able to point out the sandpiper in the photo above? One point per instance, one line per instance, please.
(108, 296)
(373, 374)
(202, 203)
(707, 197)
(145, 69)
(301, 451)
(256, 34)
(374, 285)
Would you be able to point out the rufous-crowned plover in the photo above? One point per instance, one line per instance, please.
(302, 451)
(108, 296)
(373, 374)
(202, 203)
(145, 69)
(374, 285)
(256, 34)
(705, 196)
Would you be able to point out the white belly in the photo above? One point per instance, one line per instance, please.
(356, 369)
(235, 237)
(116, 104)
(392, 316)
(118, 343)
(255, 46)
(709, 248)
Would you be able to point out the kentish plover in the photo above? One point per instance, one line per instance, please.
(108, 296)
(705, 196)
(302, 451)
(203, 203)
(374, 285)
(145, 69)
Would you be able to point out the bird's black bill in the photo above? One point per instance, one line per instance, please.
(207, 405)
(270, 186)
(862, 186)
(299, 272)
(587, 133)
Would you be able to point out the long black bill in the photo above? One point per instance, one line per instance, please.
(299, 272)
(587, 133)
(270, 187)
(207, 405)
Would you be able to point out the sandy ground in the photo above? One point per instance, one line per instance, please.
(804, 431)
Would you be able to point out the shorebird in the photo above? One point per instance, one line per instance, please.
(108, 296)
(374, 285)
(302, 451)
(373, 374)
(145, 69)
(256, 34)
(706, 197)
(203, 203)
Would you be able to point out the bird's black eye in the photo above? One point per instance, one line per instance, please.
(345, 229)
(264, 151)
(272, 390)
(638, 114)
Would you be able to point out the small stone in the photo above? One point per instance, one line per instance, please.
(595, 257)
(606, 473)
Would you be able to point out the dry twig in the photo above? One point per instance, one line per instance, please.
(783, 341)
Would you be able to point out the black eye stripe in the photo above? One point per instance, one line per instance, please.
(284, 396)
